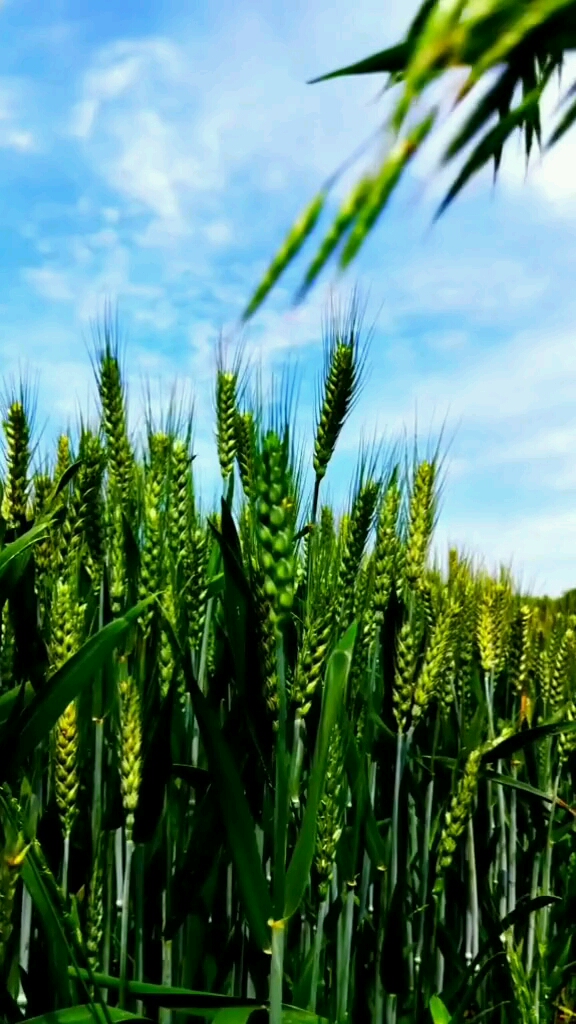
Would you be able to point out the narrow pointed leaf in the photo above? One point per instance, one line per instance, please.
(565, 123)
(67, 476)
(167, 996)
(235, 813)
(522, 739)
(386, 61)
(85, 1015)
(39, 717)
(489, 146)
(18, 547)
(334, 691)
(525, 787)
(290, 248)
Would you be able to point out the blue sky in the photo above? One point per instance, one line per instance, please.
(156, 155)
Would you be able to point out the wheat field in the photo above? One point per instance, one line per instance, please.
(267, 761)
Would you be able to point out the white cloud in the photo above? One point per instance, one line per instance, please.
(165, 123)
(20, 140)
(50, 284)
(544, 543)
(485, 286)
(12, 103)
(218, 232)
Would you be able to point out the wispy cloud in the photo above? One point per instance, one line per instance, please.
(163, 170)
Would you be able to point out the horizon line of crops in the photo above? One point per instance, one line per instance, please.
(268, 760)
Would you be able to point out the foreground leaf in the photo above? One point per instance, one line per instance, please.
(39, 717)
(235, 812)
(335, 687)
(439, 1012)
(85, 1015)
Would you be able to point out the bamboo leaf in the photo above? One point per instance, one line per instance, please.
(334, 691)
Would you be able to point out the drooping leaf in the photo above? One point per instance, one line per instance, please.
(66, 478)
(522, 739)
(290, 248)
(490, 144)
(17, 547)
(14, 701)
(524, 787)
(564, 124)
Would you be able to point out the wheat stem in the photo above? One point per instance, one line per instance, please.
(125, 921)
(277, 972)
(318, 943)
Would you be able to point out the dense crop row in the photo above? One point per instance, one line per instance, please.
(267, 756)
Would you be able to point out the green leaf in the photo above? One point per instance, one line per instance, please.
(386, 61)
(57, 945)
(439, 1011)
(84, 1015)
(359, 784)
(498, 98)
(563, 125)
(522, 739)
(171, 997)
(524, 787)
(9, 700)
(19, 546)
(197, 778)
(392, 60)
(215, 586)
(289, 249)
(156, 769)
(294, 1015)
(67, 476)
(39, 717)
(490, 145)
(333, 698)
(235, 812)
(234, 1015)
